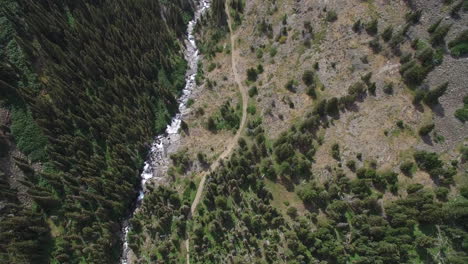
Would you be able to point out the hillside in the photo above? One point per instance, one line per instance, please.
(316, 131)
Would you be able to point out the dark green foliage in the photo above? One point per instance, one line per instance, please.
(308, 78)
(434, 26)
(427, 160)
(459, 46)
(432, 97)
(357, 26)
(109, 75)
(462, 113)
(331, 16)
(387, 33)
(438, 37)
(426, 129)
(335, 151)
(351, 164)
(375, 45)
(291, 85)
(332, 106)
(253, 91)
(406, 167)
(228, 118)
(372, 88)
(454, 11)
(442, 193)
(388, 88)
(372, 27)
(252, 74)
(413, 16)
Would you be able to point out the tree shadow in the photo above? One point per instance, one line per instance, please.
(427, 140)
(438, 110)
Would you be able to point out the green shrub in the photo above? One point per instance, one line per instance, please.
(253, 91)
(432, 97)
(331, 16)
(375, 45)
(252, 74)
(459, 46)
(387, 33)
(434, 26)
(441, 193)
(335, 150)
(413, 16)
(351, 164)
(308, 77)
(357, 88)
(357, 26)
(418, 96)
(27, 134)
(406, 167)
(311, 92)
(413, 73)
(427, 160)
(439, 34)
(415, 187)
(372, 88)
(332, 106)
(388, 88)
(372, 27)
(426, 129)
(290, 85)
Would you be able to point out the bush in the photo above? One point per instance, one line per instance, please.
(253, 91)
(426, 129)
(336, 151)
(292, 212)
(412, 188)
(438, 37)
(462, 114)
(418, 96)
(372, 27)
(372, 88)
(388, 88)
(464, 191)
(290, 86)
(308, 78)
(427, 160)
(441, 193)
(252, 75)
(357, 88)
(434, 26)
(351, 164)
(459, 46)
(311, 92)
(432, 97)
(413, 73)
(406, 167)
(331, 16)
(387, 33)
(332, 106)
(375, 45)
(357, 26)
(413, 16)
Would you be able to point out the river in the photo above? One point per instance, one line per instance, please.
(156, 165)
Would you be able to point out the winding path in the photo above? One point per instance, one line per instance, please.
(232, 143)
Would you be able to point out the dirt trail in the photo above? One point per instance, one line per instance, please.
(232, 143)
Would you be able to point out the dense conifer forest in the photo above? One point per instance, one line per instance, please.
(88, 84)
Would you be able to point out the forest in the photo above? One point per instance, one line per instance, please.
(88, 84)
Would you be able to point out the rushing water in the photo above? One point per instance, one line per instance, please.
(156, 165)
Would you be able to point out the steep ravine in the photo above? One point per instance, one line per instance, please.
(155, 168)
